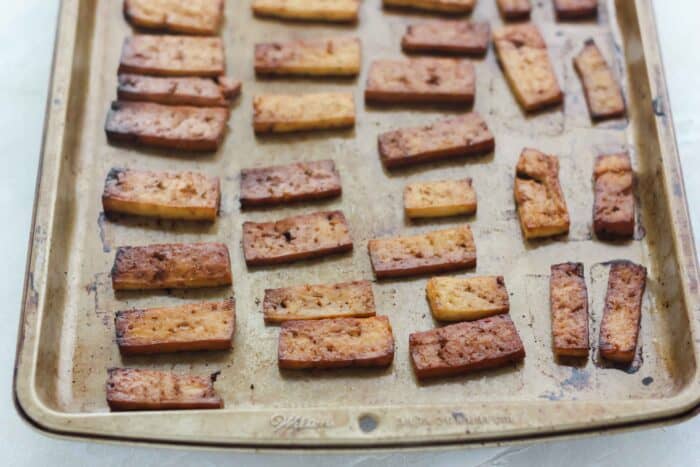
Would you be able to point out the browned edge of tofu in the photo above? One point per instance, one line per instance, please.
(438, 7)
(514, 10)
(575, 9)
(568, 301)
(193, 91)
(447, 37)
(614, 204)
(279, 12)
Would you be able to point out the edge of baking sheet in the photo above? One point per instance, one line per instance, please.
(659, 412)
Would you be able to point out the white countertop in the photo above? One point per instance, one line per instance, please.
(26, 44)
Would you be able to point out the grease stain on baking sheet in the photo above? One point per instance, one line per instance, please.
(101, 220)
(579, 379)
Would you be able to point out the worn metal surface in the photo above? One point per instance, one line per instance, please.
(67, 337)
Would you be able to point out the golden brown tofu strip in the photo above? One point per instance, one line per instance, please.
(463, 347)
(462, 7)
(538, 195)
(318, 57)
(178, 16)
(619, 328)
(568, 301)
(613, 209)
(467, 298)
(295, 238)
(174, 265)
(514, 10)
(340, 11)
(336, 343)
(433, 252)
(161, 55)
(132, 389)
(576, 9)
(344, 300)
(439, 199)
(447, 36)
(165, 195)
(527, 67)
(603, 93)
(283, 113)
(199, 92)
(195, 326)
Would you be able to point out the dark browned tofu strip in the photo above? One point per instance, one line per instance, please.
(613, 209)
(460, 7)
(514, 10)
(336, 343)
(132, 389)
(568, 301)
(603, 93)
(619, 328)
(295, 238)
(433, 252)
(464, 347)
(178, 16)
(303, 181)
(199, 92)
(452, 137)
(576, 9)
(166, 126)
(347, 299)
(161, 55)
(175, 265)
(421, 80)
(445, 36)
(195, 326)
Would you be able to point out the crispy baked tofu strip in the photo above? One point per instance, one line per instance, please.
(576, 9)
(133, 389)
(336, 343)
(176, 16)
(433, 252)
(568, 302)
(451, 137)
(467, 298)
(538, 195)
(166, 126)
(303, 181)
(463, 347)
(295, 238)
(199, 92)
(421, 80)
(195, 326)
(336, 11)
(603, 93)
(514, 10)
(619, 328)
(523, 55)
(613, 208)
(161, 55)
(439, 6)
(173, 265)
(343, 300)
(447, 36)
(439, 199)
(281, 113)
(165, 195)
(320, 57)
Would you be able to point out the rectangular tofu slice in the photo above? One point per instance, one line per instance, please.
(603, 93)
(463, 347)
(523, 55)
(165, 195)
(281, 113)
(421, 80)
(195, 326)
(467, 298)
(161, 55)
(439, 199)
(451, 137)
(335, 11)
(568, 303)
(462, 7)
(133, 389)
(319, 57)
(336, 343)
(446, 36)
(303, 181)
(433, 252)
(613, 208)
(576, 9)
(172, 265)
(343, 300)
(166, 126)
(538, 195)
(619, 328)
(199, 92)
(514, 10)
(295, 238)
(176, 16)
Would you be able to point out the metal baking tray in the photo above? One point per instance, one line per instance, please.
(66, 338)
